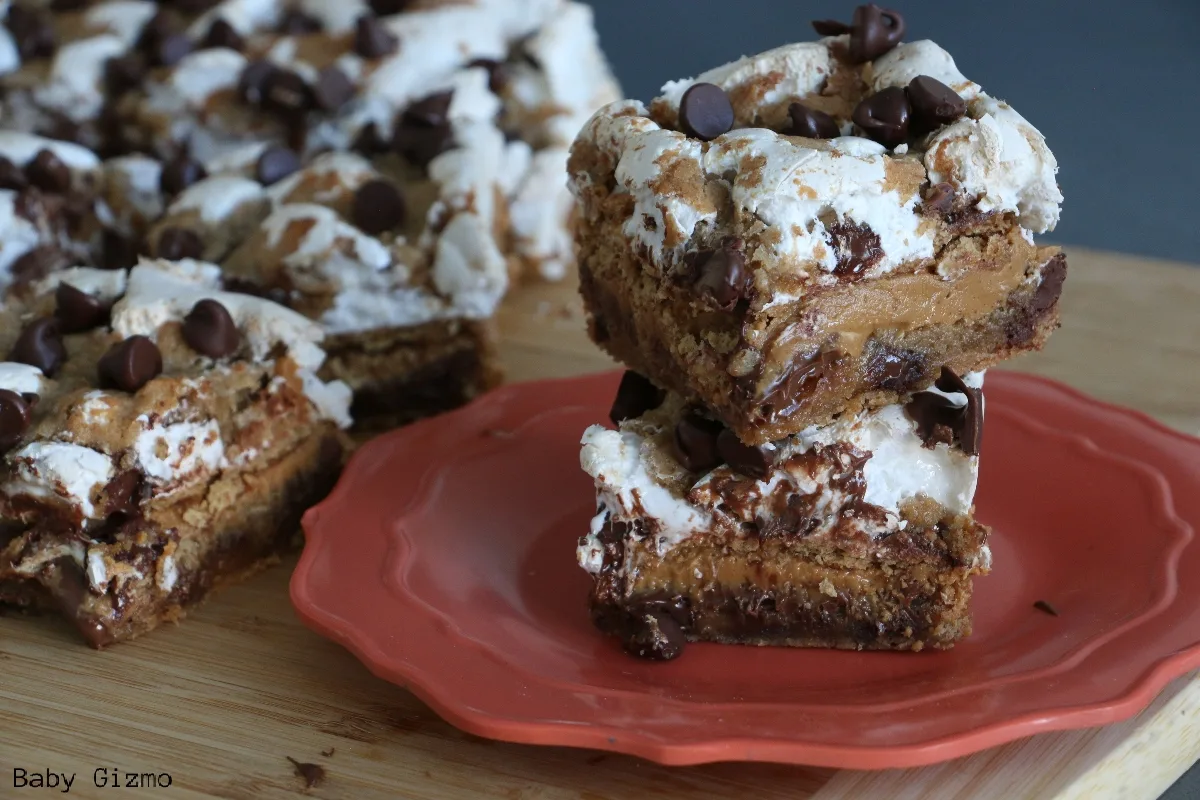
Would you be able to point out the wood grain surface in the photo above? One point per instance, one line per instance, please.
(220, 703)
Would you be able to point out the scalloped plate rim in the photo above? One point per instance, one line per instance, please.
(404, 672)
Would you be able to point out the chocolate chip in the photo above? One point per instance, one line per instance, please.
(171, 49)
(423, 131)
(883, 116)
(275, 164)
(180, 173)
(722, 274)
(130, 364)
(939, 198)
(123, 493)
(1054, 274)
(286, 93)
(40, 345)
(654, 635)
(47, 172)
(857, 247)
(162, 41)
(936, 414)
(253, 80)
(635, 396)
(210, 330)
(378, 206)
(497, 73)
(933, 414)
(369, 141)
(332, 89)
(32, 32)
(295, 23)
(874, 32)
(194, 6)
(430, 111)
(933, 103)
(796, 381)
(895, 371)
(222, 34)
(162, 24)
(175, 243)
(78, 311)
(386, 7)
(830, 27)
(11, 176)
(705, 112)
(752, 460)
(805, 121)
(117, 251)
(124, 73)
(696, 443)
(37, 263)
(372, 39)
(15, 417)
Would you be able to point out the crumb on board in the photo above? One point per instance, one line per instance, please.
(329, 752)
(313, 774)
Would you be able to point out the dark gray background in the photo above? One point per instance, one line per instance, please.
(1114, 86)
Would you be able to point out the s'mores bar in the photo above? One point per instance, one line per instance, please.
(807, 258)
(159, 437)
(405, 282)
(399, 80)
(856, 535)
(816, 229)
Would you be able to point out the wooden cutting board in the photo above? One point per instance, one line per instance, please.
(218, 705)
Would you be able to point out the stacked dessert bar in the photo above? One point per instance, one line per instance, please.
(807, 259)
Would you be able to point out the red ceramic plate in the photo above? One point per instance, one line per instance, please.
(445, 560)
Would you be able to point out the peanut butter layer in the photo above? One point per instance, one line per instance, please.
(772, 596)
(772, 373)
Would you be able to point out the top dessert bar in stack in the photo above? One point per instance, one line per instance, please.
(817, 229)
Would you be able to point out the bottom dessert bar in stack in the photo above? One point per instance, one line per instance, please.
(858, 534)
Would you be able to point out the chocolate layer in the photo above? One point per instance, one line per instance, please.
(403, 374)
(243, 541)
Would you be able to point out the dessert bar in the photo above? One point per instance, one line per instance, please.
(159, 437)
(855, 535)
(816, 229)
(405, 284)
